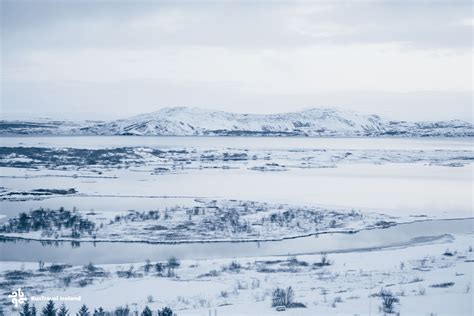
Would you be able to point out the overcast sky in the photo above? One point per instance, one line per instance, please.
(108, 59)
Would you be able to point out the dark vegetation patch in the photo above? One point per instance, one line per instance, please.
(293, 261)
(47, 220)
(234, 266)
(57, 268)
(56, 191)
(442, 285)
(323, 262)
(285, 298)
(384, 224)
(61, 157)
(17, 275)
(40, 192)
(210, 274)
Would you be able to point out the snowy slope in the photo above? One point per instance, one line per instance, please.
(183, 121)
(313, 122)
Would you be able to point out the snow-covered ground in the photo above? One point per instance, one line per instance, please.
(431, 277)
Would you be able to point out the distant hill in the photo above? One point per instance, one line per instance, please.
(183, 121)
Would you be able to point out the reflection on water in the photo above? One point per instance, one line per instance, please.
(202, 142)
(119, 252)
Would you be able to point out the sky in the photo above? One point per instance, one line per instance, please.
(82, 59)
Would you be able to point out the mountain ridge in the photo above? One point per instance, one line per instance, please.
(191, 121)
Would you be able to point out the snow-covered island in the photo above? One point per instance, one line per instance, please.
(205, 221)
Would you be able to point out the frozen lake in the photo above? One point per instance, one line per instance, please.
(394, 188)
(408, 188)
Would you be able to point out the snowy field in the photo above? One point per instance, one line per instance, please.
(164, 192)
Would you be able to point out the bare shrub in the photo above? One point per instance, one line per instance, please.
(388, 301)
(173, 262)
(421, 291)
(224, 294)
(324, 261)
(293, 261)
(159, 267)
(336, 300)
(281, 297)
(170, 273)
(127, 274)
(285, 297)
(67, 280)
(90, 267)
(234, 266)
(147, 266)
(56, 268)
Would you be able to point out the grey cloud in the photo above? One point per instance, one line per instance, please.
(30, 26)
(84, 24)
(421, 24)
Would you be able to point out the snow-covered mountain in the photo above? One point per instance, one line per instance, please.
(313, 122)
(42, 126)
(183, 121)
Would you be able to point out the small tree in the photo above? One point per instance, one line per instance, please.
(278, 297)
(282, 297)
(33, 310)
(147, 311)
(122, 311)
(90, 267)
(49, 309)
(290, 295)
(159, 267)
(99, 312)
(388, 301)
(324, 259)
(165, 312)
(63, 311)
(173, 262)
(25, 311)
(147, 266)
(84, 311)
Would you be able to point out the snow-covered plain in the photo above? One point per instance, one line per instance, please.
(353, 182)
(347, 286)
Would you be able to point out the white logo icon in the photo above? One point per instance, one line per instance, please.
(18, 297)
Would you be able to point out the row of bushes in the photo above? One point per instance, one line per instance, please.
(51, 310)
